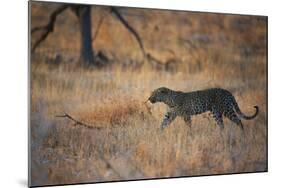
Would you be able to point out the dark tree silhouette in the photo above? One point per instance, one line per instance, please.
(83, 13)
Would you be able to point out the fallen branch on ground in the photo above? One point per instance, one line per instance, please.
(76, 122)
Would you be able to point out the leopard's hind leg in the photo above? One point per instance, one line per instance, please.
(232, 116)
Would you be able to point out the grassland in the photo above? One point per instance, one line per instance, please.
(210, 50)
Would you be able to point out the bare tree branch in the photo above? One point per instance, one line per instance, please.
(99, 26)
(47, 29)
(167, 65)
(151, 58)
(129, 27)
(77, 122)
(147, 56)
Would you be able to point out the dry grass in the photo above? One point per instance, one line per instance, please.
(131, 145)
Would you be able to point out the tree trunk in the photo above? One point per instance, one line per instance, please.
(86, 53)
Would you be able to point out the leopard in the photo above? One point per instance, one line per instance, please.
(217, 101)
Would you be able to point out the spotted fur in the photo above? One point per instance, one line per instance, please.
(219, 102)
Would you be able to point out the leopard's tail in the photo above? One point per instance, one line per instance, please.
(241, 114)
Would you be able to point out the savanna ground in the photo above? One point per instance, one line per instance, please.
(207, 50)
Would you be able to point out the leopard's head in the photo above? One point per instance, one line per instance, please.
(159, 95)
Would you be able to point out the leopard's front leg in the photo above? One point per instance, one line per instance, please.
(168, 118)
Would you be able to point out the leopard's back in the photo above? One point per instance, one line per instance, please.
(201, 101)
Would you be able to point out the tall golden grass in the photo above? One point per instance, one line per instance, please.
(131, 144)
